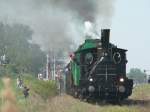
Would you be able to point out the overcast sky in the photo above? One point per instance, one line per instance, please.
(131, 30)
(130, 24)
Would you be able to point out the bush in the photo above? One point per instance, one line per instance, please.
(7, 71)
(45, 89)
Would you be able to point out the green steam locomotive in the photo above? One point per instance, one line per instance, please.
(97, 70)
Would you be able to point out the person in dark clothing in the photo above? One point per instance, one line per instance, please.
(26, 91)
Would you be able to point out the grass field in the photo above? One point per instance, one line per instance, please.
(43, 99)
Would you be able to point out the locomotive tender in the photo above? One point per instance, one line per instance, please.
(97, 70)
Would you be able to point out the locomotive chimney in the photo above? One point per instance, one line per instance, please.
(105, 38)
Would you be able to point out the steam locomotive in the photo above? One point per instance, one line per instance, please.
(97, 70)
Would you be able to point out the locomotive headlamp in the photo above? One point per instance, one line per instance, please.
(121, 79)
(105, 54)
(91, 80)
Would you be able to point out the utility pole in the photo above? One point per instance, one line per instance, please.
(147, 75)
(3, 57)
(47, 67)
(54, 67)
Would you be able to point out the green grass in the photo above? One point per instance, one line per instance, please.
(44, 89)
(68, 104)
(41, 90)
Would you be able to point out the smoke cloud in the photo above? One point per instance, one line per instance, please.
(57, 24)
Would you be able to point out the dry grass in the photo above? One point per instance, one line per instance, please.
(138, 102)
(68, 104)
(8, 97)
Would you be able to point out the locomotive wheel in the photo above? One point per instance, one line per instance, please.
(82, 95)
(76, 94)
(83, 98)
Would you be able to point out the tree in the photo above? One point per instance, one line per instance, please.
(137, 75)
(23, 55)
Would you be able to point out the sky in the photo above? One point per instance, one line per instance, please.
(131, 30)
(130, 23)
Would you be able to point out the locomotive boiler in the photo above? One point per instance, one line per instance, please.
(97, 70)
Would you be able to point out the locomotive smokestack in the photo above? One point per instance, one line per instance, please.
(105, 38)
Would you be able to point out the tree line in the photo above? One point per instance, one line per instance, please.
(18, 50)
(138, 75)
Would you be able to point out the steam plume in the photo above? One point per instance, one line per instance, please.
(57, 24)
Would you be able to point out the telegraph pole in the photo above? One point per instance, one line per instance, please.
(54, 66)
(47, 67)
(3, 58)
(147, 75)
